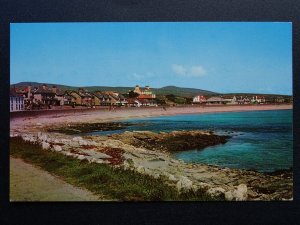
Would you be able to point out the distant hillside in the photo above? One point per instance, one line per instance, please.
(184, 92)
(168, 90)
(63, 87)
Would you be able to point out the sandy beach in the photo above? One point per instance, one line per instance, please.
(101, 115)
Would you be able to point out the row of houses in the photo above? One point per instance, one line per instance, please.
(42, 96)
(29, 97)
(229, 100)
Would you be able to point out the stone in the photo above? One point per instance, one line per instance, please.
(102, 156)
(228, 195)
(69, 154)
(80, 157)
(126, 165)
(64, 141)
(155, 175)
(195, 188)
(100, 161)
(151, 173)
(45, 145)
(57, 148)
(140, 169)
(14, 135)
(216, 191)
(93, 143)
(29, 138)
(76, 138)
(56, 141)
(43, 137)
(204, 186)
(83, 142)
(171, 177)
(252, 194)
(240, 193)
(184, 184)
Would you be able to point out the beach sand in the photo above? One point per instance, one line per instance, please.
(25, 119)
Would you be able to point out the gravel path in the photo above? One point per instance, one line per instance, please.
(29, 183)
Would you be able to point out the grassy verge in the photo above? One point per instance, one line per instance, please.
(100, 178)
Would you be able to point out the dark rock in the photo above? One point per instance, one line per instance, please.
(90, 127)
(285, 173)
(171, 142)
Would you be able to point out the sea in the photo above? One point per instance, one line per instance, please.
(260, 140)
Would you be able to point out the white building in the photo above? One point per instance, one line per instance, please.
(258, 99)
(145, 93)
(16, 103)
(199, 99)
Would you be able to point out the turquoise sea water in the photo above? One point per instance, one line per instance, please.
(261, 140)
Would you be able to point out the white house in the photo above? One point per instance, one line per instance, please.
(16, 103)
(258, 99)
(199, 99)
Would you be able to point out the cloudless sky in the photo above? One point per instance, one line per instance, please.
(221, 57)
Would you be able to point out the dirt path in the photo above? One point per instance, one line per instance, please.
(29, 183)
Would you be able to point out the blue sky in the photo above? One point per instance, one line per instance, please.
(221, 57)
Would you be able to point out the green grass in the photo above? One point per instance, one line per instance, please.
(118, 184)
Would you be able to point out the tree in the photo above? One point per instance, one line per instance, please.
(171, 97)
(132, 94)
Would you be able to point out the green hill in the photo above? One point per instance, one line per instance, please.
(184, 92)
(168, 90)
(178, 91)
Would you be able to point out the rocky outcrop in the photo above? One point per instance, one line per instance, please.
(45, 145)
(240, 193)
(184, 184)
(170, 142)
(216, 191)
(140, 152)
(89, 127)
